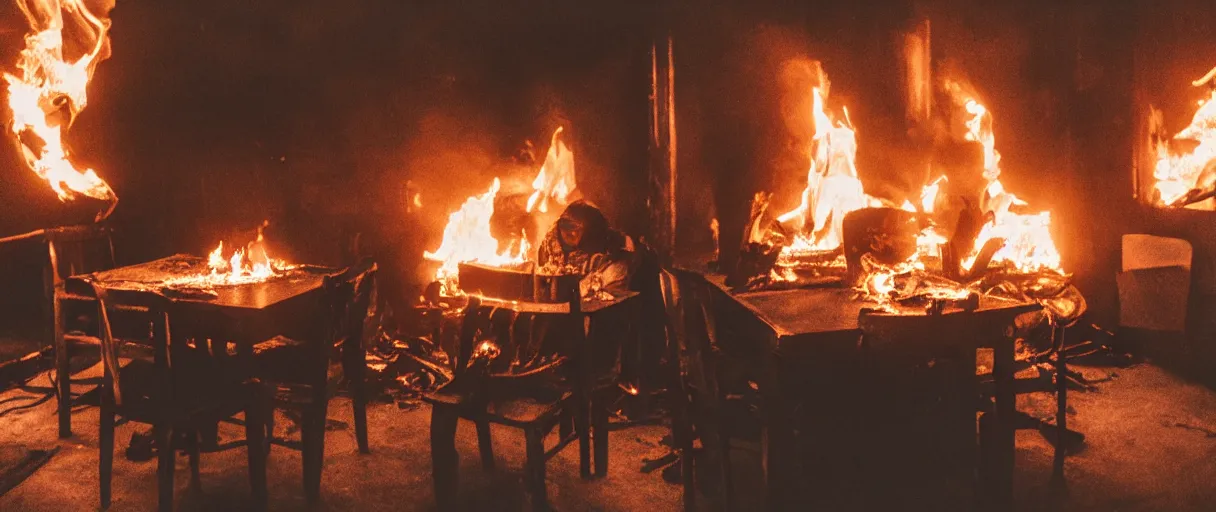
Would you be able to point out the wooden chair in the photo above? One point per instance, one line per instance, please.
(72, 251)
(292, 367)
(700, 407)
(180, 390)
(532, 403)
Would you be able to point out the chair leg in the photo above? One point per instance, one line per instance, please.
(355, 365)
(1057, 468)
(534, 473)
(681, 435)
(485, 444)
(724, 468)
(599, 426)
(63, 372)
(565, 423)
(163, 435)
(193, 447)
(582, 426)
(445, 462)
(106, 466)
(313, 434)
(255, 437)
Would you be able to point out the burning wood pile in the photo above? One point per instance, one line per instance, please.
(1185, 167)
(962, 234)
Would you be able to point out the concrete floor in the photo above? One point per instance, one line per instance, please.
(1151, 445)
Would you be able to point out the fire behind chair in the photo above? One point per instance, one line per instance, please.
(182, 389)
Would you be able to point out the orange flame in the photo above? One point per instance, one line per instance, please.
(1177, 174)
(50, 86)
(555, 181)
(1028, 244)
(467, 238)
(250, 264)
(833, 188)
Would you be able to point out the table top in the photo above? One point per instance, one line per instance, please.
(812, 311)
(150, 278)
(589, 305)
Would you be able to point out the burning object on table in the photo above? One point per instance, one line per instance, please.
(250, 264)
(469, 236)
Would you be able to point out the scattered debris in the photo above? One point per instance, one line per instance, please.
(1207, 432)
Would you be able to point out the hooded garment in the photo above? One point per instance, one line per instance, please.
(602, 256)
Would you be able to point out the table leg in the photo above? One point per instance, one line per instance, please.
(999, 485)
(63, 368)
(354, 362)
(778, 441)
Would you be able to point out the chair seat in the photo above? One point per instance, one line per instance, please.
(204, 389)
(286, 361)
(515, 409)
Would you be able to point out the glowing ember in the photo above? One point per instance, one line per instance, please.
(555, 181)
(1181, 174)
(833, 188)
(467, 238)
(1028, 244)
(250, 264)
(487, 350)
(49, 92)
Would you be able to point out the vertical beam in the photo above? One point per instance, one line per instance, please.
(662, 191)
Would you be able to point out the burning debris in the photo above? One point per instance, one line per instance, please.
(555, 181)
(251, 264)
(468, 238)
(1185, 169)
(68, 39)
(961, 239)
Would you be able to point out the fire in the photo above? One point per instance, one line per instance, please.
(1184, 175)
(467, 238)
(250, 264)
(555, 181)
(833, 188)
(50, 91)
(1028, 244)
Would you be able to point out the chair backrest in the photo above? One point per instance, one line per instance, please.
(161, 339)
(691, 326)
(525, 337)
(691, 329)
(915, 335)
(349, 296)
(79, 250)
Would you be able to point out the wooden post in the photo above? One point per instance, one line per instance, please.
(661, 201)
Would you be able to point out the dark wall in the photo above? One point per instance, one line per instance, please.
(211, 116)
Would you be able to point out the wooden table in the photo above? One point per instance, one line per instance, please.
(779, 329)
(292, 305)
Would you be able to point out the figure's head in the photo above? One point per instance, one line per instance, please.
(571, 231)
(582, 224)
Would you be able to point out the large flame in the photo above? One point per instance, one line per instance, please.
(555, 181)
(1178, 174)
(246, 265)
(467, 238)
(1028, 244)
(833, 188)
(50, 90)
